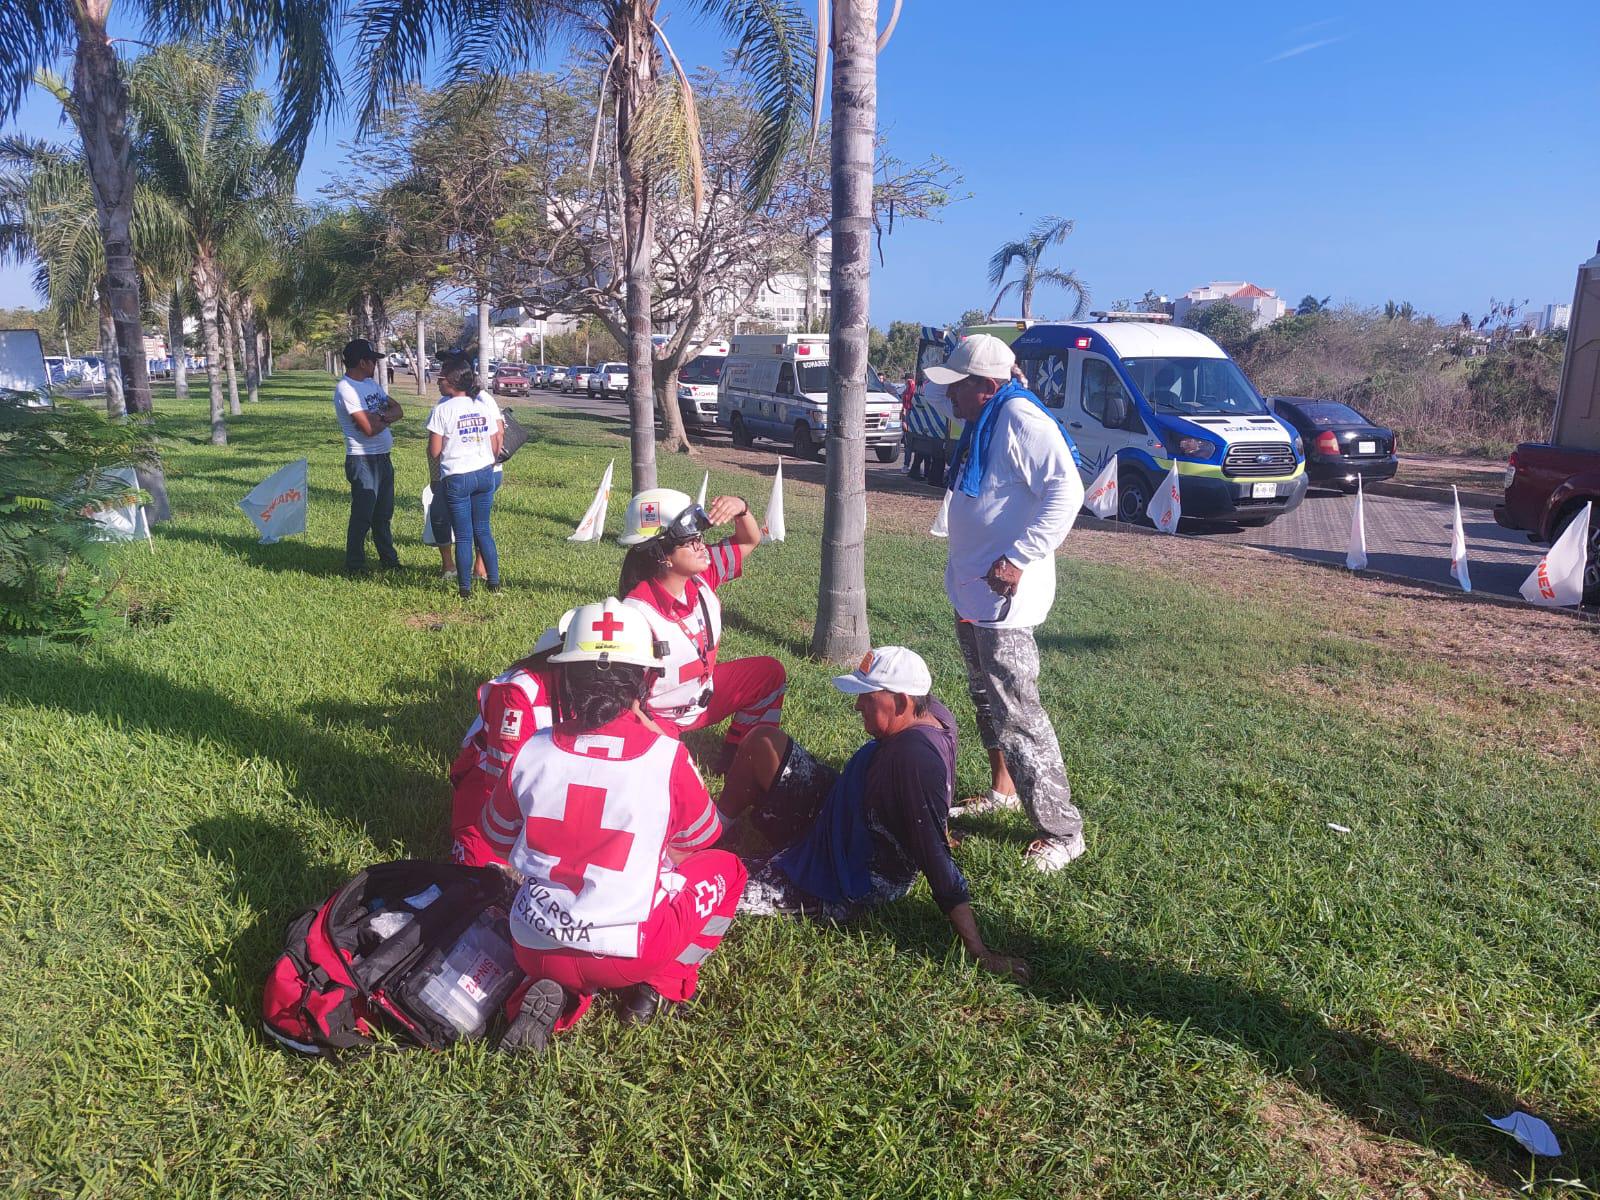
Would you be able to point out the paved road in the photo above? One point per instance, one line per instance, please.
(1405, 536)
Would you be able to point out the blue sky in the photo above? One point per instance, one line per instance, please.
(1437, 153)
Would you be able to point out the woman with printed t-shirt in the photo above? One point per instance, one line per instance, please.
(439, 512)
(672, 576)
(464, 441)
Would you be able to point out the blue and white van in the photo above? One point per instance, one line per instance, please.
(775, 385)
(1152, 395)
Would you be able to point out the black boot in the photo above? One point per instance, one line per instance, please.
(640, 1004)
(541, 1009)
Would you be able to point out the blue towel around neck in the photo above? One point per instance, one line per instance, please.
(972, 451)
(833, 861)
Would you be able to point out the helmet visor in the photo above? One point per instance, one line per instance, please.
(688, 525)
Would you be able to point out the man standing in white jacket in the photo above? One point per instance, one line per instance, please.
(1014, 494)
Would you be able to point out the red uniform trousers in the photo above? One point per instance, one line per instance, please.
(472, 787)
(675, 939)
(748, 689)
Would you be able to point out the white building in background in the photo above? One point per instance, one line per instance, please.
(515, 334)
(1554, 316)
(790, 299)
(1262, 304)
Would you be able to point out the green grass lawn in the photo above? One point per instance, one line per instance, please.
(1230, 999)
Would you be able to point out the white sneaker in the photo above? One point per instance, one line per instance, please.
(993, 802)
(1051, 854)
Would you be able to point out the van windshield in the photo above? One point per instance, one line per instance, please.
(814, 378)
(1186, 387)
(704, 368)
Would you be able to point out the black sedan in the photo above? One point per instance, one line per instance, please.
(1341, 444)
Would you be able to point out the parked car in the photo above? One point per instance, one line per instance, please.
(511, 380)
(609, 379)
(577, 379)
(555, 377)
(1340, 442)
(1546, 488)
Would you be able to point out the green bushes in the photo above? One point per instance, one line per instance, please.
(53, 479)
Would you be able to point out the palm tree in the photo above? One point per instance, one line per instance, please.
(35, 34)
(200, 139)
(1050, 231)
(772, 39)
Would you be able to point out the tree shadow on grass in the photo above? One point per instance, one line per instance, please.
(792, 643)
(329, 768)
(1377, 1084)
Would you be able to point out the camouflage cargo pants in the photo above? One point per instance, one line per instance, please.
(1003, 677)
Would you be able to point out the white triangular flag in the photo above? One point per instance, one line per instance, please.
(772, 529)
(941, 523)
(1356, 557)
(1166, 506)
(704, 483)
(593, 526)
(1458, 548)
(129, 522)
(1558, 579)
(277, 505)
(1102, 498)
(427, 516)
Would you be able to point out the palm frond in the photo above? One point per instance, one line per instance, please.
(32, 34)
(1000, 262)
(1067, 281)
(1051, 231)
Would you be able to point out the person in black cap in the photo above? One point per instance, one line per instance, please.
(365, 413)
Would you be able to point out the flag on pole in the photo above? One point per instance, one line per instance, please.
(1166, 506)
(1558, 579)
(941, 523)
(277, 505)
(1102, 497)
(1356, 557)
(704, 483)
(1458, 548)
(129, 522)
(772, 528)
(593, 526)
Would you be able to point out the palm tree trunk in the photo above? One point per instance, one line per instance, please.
(116, 406)
(637, 70)
(485, 341)
(418, 370)
(265, 352)
(180, 357)
(247, 338)
(100, 102)
(225, 332)
(841, 630)
(208, 286)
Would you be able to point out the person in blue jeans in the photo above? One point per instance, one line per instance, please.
(365, 413)
(464, 439)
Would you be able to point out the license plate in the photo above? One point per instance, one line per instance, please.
(1263, 491)
(1366, 447)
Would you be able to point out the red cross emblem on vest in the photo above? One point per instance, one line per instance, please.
(578, 841)
(608, 627)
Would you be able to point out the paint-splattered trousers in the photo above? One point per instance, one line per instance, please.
(1003, 677)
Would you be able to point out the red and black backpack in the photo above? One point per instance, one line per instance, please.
(357, 964)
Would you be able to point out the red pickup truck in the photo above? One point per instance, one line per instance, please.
(1547, 486)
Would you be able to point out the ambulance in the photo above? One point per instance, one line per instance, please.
(1152, 395)
(931, 429)
(697, 385)
(775, 386)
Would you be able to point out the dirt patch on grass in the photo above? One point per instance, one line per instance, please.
(433, 622)
(1299, 1126)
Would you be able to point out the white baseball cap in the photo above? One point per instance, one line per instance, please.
(888, 669)
(981, 354)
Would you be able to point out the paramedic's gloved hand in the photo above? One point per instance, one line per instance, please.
(1003, 577)
(725, 508)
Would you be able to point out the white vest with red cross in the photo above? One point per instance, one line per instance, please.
(514, 723)
(682, 694)
(592, 844)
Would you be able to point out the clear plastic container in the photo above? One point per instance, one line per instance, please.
(474, 978)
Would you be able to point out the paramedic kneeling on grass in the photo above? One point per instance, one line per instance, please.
(851, 839)
(609, 827)
(1014, 493)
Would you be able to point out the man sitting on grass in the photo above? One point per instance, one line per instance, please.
(848, 840)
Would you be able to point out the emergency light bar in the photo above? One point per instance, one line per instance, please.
(1131, 316)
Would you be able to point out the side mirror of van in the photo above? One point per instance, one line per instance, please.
(1116, 411)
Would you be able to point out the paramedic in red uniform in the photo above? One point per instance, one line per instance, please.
(608, 825)
(672, 576)
(512, 707)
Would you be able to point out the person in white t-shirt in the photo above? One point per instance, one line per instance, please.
(365, 413)
(1014, 493)
(464, 438)
(439, 512)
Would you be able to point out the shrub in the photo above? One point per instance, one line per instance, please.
(54, 465)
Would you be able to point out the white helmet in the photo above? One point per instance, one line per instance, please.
(608, 632)
(650, 512)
